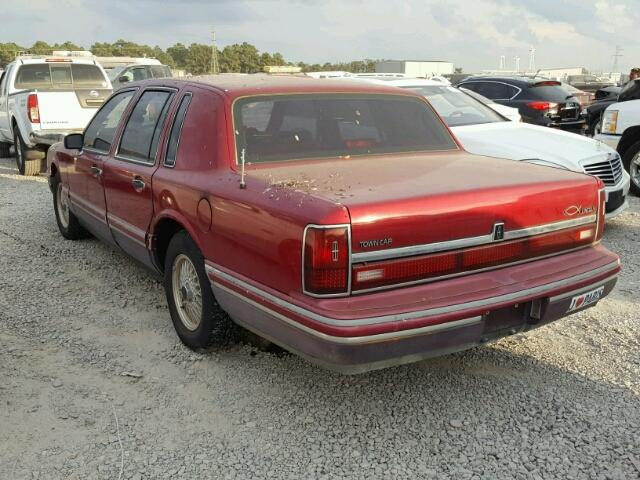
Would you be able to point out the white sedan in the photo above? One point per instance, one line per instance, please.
(483, 131)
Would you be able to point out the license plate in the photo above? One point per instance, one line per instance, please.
(585, 299)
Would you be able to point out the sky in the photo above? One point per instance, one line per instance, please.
(473, 34)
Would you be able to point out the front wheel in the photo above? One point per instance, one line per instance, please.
(198, 319)
(28, 160)
(631, 161)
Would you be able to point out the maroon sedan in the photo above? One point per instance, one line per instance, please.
(343, 222)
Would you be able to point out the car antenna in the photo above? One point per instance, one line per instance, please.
(243, 185)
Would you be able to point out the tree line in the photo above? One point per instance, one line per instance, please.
(195, 58)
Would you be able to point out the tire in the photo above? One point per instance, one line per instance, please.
(68, 223)
(198, 319)
(29, 161)
(631, 161)
(5, 149)
(596, 127)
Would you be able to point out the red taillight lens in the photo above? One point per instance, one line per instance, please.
(326, 260)
(542, 106)
(372, 275)
(33, 112)
(602, 201)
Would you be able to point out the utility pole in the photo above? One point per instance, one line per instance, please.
(616, 56)
(503, 62)
(517, 62)
(532, 59)
(215, 69)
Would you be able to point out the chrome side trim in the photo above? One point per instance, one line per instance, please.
(486, 302)
(125, 228)
(349, 273)
(380, 337)
(427, 248)
(88, 208)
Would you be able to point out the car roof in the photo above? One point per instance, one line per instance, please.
(238, 85)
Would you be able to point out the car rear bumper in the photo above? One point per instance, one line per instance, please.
(371, 331)
(49, 137)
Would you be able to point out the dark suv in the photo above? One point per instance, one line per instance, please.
(540, 101)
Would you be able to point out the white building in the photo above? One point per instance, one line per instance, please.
(415, 68)
(562, 73)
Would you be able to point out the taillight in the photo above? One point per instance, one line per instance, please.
(33, 112)
(602, 212)
(544, 106)
(326, 260)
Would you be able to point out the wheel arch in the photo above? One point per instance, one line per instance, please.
(163, 228)
(630, 136)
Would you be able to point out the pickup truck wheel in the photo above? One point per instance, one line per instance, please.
(68, 224)
(631, 161)
(28, 161)
(197, 317)
(4, 149)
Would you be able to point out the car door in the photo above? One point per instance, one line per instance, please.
(127, 176)
(86, 184)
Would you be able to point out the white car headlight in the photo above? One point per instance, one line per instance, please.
(610, 122)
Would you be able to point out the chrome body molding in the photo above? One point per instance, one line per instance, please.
(323, 319)
(401, 252)
(380, 337)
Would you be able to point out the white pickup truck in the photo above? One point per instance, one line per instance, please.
(42, 99)
(621, 130)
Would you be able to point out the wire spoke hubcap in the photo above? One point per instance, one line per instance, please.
(63, 206)
(186, 292)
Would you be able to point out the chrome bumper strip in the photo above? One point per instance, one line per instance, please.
(486, 302)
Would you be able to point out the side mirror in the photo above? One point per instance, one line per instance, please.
(74, 141)
(123, 79)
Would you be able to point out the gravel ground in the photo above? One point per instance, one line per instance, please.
(561, 402)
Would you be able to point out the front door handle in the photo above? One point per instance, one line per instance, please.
(95, 171)
(138, 184)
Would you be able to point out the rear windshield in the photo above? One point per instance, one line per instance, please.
(60, 75)
(551, 93)
(287, 127)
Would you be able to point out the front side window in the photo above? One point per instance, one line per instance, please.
(140, 137)
(288, 127)
(100, 132)
(455, 107)
(176, 129)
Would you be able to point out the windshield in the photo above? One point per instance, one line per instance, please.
(60, 75)
(287, 127)
(455, 107)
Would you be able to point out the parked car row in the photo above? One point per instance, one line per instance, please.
(340, 220)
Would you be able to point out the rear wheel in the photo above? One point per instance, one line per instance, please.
(198, 319)
(28, 160)
(631, 160)
(68, 224)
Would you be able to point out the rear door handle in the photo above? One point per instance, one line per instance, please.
(96, 171)
(138, 183)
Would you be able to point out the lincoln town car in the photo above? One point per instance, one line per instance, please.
(342, 222)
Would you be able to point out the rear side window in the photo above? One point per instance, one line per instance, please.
(140, 138)
(59, 75)
(100, 132)
(495, 90)
(335, 125)
(176, 129)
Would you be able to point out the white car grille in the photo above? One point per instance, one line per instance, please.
(609, 171)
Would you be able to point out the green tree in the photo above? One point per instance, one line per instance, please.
(67, 46)
(8, 52)
(179, 55)
(199, 59)
(41, 48)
